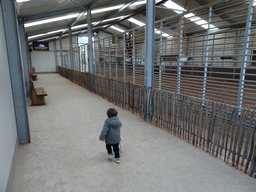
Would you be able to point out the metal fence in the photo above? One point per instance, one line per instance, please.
(207, 53)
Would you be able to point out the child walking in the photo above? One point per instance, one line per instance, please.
(111, 133)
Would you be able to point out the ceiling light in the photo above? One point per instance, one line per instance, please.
(50, 20)
(178, 9)
(138, 3)
(135, 21)
(21, 1)
(56, 37)
(43, 34)
(79, 26)
(190, 16)
(107, 9)
(71, 16)
(117, 29)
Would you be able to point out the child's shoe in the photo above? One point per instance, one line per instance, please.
(117, 160)
(110, 155)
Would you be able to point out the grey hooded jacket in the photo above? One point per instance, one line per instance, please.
(111, 130)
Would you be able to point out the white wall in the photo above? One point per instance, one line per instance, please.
(44, 61)
(8, 129)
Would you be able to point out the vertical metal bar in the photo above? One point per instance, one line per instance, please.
(124, 52)
(23, 51)
(85, 61)
(149, 41)
(89, 21)
(206, 55)
(109, 58)
(61, 52)
(16, 71)
(180, 55)
(245, 52)
(79, 58)
(70, 49)
(160, 53)
(104, 60)
(133, 57)
(116, 58)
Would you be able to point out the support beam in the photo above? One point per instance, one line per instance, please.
(90, 46)
(24, 56)
(245, 54)
(89, 21)
(149, 41)
(16, 71)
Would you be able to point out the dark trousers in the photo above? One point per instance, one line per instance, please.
(115, 149)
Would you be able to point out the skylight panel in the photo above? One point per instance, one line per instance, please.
(117, 29)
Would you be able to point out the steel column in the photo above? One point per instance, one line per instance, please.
(245, 53)
(206, 55)
(24, 56)
(16, 73)
(149, 41)
(89, 21)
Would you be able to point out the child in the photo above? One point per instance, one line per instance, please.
(111, 133)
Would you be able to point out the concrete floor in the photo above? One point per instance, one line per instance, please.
(65, 154)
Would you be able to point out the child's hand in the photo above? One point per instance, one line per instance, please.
(102, 140)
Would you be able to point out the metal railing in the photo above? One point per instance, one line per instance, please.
(212, 61)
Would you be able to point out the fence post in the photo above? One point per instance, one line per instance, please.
(245, 52)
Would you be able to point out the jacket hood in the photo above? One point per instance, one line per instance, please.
(114, 122)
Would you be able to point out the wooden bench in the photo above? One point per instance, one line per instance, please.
(37, 94)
